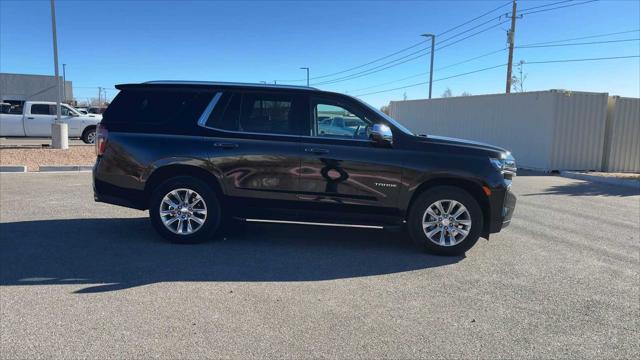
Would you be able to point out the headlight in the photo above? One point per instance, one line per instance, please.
(506, 164)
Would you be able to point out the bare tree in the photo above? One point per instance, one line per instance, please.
(404, 96)
(517, 82)
(466, 93)
(447, 93)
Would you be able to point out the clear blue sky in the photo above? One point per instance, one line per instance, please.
(110, 42)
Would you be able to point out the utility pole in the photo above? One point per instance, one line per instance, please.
(511, 39)
(306, 68)
(433, 50)
(99, 95)
(64, 83)
(59, 130)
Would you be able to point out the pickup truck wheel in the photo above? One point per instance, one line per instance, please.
(445, 220)
(184, 210)
(89, 135)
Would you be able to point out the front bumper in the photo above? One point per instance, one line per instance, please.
(508, 207)
(502, 204)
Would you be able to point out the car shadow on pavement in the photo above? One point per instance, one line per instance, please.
(115, 254)
(587, 188)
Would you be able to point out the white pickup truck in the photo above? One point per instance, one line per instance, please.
(34, 119)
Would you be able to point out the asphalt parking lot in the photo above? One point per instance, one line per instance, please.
(86, 280)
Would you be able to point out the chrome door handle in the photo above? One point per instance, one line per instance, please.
(317, 151)
(225, 145)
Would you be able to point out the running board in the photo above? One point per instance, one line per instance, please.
(313, 223)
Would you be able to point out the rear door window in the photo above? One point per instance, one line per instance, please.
(261, 113)
(151, 106)
(42, 109)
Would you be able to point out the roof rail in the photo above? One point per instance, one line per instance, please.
(223, 83)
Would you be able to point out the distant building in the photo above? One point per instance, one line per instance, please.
(27, 87)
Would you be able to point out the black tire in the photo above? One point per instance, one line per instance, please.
(431, 196)
(213, 215)
(89, 135)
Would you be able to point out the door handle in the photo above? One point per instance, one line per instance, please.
(317, 151)
(225, 145)
(30, 118)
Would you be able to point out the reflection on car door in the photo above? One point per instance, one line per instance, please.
(258, 151)
(342, 167)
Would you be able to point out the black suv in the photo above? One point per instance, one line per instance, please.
(200, 155)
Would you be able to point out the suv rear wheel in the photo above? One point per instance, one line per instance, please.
(185, 210)
(445, 220)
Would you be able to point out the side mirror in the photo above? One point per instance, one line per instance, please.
(381, 134)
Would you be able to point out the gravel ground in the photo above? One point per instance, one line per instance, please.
(80, 279)
(33, 158)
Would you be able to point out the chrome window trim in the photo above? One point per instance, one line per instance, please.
(207, 111)
(202, 122)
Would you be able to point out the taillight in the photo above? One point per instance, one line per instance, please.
(101, 139)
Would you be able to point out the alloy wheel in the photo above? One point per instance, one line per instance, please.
(446, 222)
(183, 211)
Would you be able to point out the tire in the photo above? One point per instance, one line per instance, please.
(89, 135)
(455, 242)
(185, 218)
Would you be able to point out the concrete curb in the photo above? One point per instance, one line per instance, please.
(13, 168)
(49, 168)
(600, 179)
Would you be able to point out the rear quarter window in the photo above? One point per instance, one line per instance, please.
(157, 110)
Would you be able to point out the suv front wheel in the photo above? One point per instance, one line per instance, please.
(445, 220)
(184, 210)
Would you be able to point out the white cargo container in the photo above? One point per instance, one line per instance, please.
(545, 130)
(622, 135)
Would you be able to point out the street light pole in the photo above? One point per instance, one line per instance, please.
(306, 68)
(64, 83)
(433, 50)
(59, 130)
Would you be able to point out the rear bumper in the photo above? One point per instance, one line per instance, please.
(108, 193)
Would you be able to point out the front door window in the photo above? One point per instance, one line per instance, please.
(335, 121)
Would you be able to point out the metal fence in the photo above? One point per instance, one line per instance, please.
(545, 130)
(622, 138)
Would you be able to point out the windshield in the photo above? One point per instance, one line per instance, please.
(388, 118)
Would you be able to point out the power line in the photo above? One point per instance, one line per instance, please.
(501, 65)
(376, 70)
(573, 44)
(583, 37)
(426, 82)
(470, 29)
(369, 63)
(423, 73)
(405, 49)
(380, 67)
(471, 59)
(369, 72)
(545, 5)
(474, 19)
(582, 59)
(472, 35)
(557, 7)
(389, 82)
